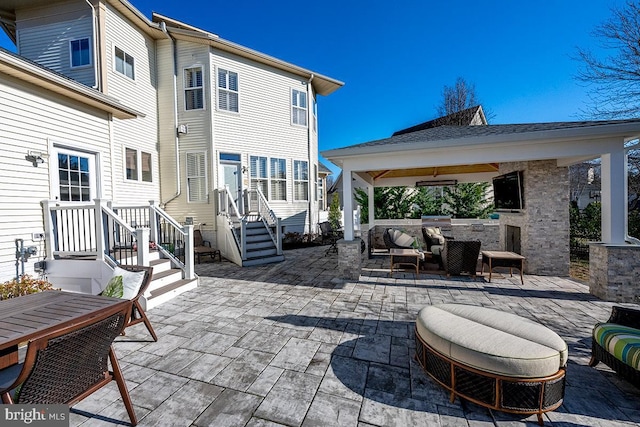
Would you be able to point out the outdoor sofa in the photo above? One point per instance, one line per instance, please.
(617, 343)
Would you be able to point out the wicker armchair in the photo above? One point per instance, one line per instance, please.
(137, 312)
(620, 316)
(460, 256)
(67, 365)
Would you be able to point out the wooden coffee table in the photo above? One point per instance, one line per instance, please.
(503, 259)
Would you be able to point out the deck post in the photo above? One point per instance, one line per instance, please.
(153, 223)
(100, 230)
(142, 238)
(189, 269)
(49, 231)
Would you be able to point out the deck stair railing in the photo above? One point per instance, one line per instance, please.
(269, 218)
(117, 235)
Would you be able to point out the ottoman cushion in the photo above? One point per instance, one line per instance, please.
(622, 342)
(491, 340)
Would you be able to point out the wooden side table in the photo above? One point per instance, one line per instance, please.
(405, 256)
(503, 259)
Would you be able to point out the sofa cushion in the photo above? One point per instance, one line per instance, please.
(620, 341)
(491, 340)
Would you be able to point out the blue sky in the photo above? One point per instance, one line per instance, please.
(395, 57)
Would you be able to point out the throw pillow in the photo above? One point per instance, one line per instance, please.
(131, 281)
(403, 239)
(114, 288)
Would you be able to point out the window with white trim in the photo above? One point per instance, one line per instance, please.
(196, 176)
(278, 179)
(316, 179)
(298, 107)
(300, 180)
(321, 205)
(80, 50)
(193, 89)
(259, 178)
(124, 63)
(315, 114)
(227, 90)
(138, 165)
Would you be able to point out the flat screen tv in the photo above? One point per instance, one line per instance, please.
(508, 191)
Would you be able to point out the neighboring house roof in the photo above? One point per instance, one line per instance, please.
(322, 168)
(468, 117)
(34, 73)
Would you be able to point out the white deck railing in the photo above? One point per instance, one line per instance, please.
(116, 234)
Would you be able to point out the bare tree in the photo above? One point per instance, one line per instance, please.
(614, 79)
(458, 97)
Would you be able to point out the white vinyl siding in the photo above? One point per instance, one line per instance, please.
(193, 89)
(32, 119)
(278, 179)
(228, 90)
(123, 63)
(264, 127)
(300, 180)
(298, 107)
(47, 41)
(142, 95)
(259, 178)
(196, 177)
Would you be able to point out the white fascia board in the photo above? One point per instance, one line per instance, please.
(474, 154)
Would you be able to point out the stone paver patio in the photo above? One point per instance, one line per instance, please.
(290, 345)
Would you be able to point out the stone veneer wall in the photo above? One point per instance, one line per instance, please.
(544, 221)
(614, 272)
(350, 259)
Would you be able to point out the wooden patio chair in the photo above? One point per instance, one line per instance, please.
(137, 314)
(69, 364)
(203, 247)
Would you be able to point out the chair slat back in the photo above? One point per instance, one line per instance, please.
(198, 240)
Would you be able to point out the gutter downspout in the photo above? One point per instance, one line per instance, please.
(163, 28)
(309, 117)
(94, 31)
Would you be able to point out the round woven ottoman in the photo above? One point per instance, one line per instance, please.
(492, 358)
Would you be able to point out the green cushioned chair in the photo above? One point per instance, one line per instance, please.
(616, 343)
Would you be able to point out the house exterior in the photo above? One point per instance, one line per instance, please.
(103, 103)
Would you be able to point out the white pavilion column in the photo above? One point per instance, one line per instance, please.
(614, 196)
(347, 194)
(371, 206)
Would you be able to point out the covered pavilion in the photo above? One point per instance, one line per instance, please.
(543, 152)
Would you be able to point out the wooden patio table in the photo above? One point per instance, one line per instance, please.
(26, 317)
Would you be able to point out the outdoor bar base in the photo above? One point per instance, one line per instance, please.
(501, 361)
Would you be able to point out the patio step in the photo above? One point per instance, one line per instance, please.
(167, 292)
